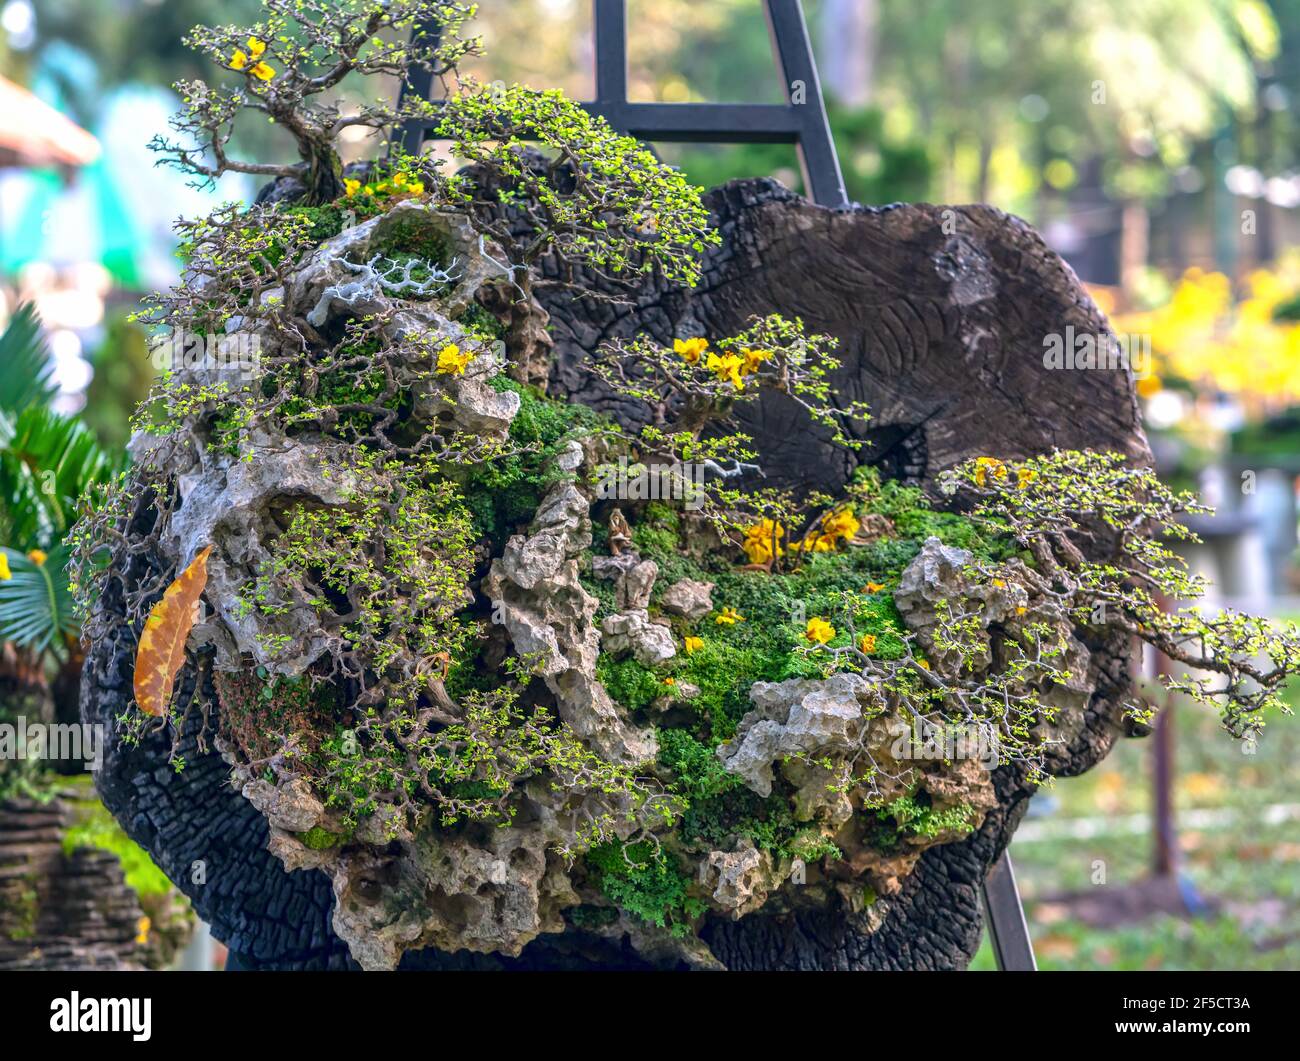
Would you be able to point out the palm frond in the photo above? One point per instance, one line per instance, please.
(36, 608)
(26, 366)
(47, 463)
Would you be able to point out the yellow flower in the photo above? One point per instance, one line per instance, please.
(818, 631)
(142, 927)
(256, 47)
(843, 524)
(5, 573)
(238, 61)
(1025, 476)
(1149, 385)
(415, 187)
(874, 587)
(1020, 610)
(350, 186)
(690, 350)
(727, 369)
(999, 582)
(834, 526)
(753, 359)
(263, 71)
(451, 361)
(759, 540)
(984, 466)
(37, 556)
(693, 644)
(923, 664)
(867, 645)
(728, 617)
(670, 681)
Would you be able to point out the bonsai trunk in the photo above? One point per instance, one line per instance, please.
(324, 174)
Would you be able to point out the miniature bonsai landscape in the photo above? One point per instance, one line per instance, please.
(507, 668)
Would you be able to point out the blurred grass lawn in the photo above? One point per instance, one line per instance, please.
(1244, 857)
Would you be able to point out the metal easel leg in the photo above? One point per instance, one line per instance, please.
(1006, 918)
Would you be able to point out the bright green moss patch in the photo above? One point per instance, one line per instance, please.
(504, 493)
(319, 839)
(646, 882)
(95, 827)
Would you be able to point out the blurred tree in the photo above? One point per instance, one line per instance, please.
(848, 45)
(123, 375)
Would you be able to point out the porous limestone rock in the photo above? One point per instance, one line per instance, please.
(688, 598)
(231, 501)
(634, 632)
(801, 716)
(633, 578)
(540, 601)
(740, 879)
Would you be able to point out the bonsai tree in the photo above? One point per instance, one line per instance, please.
(285, 68)
(367, 565)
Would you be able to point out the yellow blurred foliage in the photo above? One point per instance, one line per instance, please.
(1215, 341)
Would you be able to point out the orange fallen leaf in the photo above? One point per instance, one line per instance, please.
(162, 642)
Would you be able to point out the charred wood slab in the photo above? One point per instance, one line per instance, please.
(942, 313)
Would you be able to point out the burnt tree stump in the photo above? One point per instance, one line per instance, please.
(941, 313)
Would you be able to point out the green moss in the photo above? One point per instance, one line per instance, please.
(504, 493)
(93, 826)
(909, 510)
(413, 235)
(913, 816)
(20, 908)
(482, 323)
(697, 772)
(323, 222)
(628, 682)
(319, 839)
(646, 882)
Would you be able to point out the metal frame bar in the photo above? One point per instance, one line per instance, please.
(801, 121)
(1008, 932)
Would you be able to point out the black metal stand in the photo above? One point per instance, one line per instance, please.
(801, 121)
(1008, 932)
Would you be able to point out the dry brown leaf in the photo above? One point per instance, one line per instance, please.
(162, 642)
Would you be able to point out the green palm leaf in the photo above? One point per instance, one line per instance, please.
(36, 610)
(47, 462)
(25, 363)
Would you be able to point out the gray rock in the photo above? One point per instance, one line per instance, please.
(740, 879)
(634, 632)
(546, 612)
(801, 716)
(689, 598)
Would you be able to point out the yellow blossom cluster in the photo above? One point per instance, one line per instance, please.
(452, 360)
(728, 367)
(397, 185)
(260, 69)
(837, 526)
(987, 468)
(763, 541)
(818, 631)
